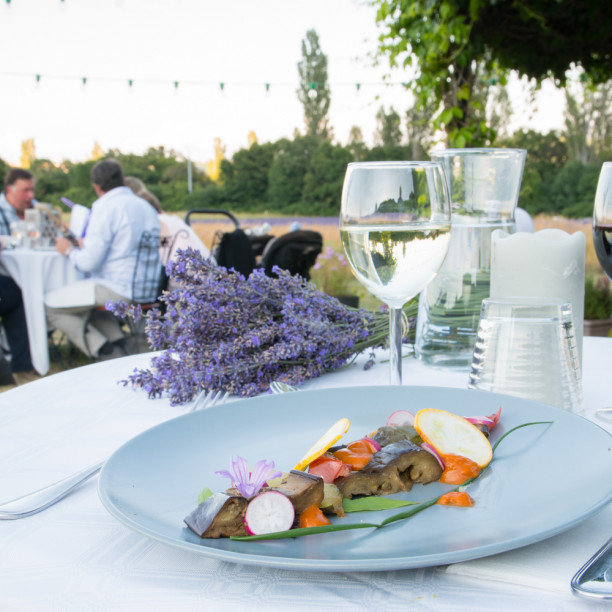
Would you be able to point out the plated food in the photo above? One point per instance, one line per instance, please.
(435, 445)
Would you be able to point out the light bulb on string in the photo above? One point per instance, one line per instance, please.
(222, 86)
(312, 94)
(37, 85)
(358, 87)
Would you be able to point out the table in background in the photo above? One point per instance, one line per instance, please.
(75, 556)
(37, 272)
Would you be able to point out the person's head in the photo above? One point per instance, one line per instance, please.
(138, 187)
(19, 187)
(106, 175)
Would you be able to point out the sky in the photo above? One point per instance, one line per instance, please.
(176, 53)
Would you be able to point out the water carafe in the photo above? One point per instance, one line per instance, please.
(484, 186)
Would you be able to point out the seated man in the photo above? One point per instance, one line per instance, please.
(108, 254)
(17, 197)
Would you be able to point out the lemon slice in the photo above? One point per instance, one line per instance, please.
(450, 434)
(328, 439)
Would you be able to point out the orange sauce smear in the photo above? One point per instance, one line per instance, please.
(456, 498)
(458, 469)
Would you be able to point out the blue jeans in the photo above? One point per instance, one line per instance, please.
(14, 323)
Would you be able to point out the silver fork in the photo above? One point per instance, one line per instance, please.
(207, 399)
(32, 503)
(276, 386)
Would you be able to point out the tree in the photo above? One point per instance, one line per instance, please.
(588, 117)
(419, 129)
(324, 179)
(388, 131)
(286, 177)
(314, 92)
(245, 178)
(356, 144)
(457, 44)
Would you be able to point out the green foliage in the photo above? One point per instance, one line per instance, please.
(245, 178)
(597, 297)
(324, 178)
(304, 176)
(50, 180)
(458, 46)
(288, 171)
(573, 189)
(389, 131)
(4, 168)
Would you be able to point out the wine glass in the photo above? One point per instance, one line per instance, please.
(395, 230)
(602, 219)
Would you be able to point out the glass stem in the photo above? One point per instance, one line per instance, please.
(395, 345)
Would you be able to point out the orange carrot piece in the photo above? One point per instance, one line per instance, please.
(313, 517)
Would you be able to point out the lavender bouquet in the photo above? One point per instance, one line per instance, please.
(221, 331)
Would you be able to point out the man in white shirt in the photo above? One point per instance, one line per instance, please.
(17, 197)
(108, 255)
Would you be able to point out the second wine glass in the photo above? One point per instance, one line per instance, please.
(602, 219)
(395, 230)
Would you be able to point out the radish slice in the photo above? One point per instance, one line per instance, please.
(430, 449)
(373, 444)
(400, 418)
(269, 512)
(495, 417)
(481, 420)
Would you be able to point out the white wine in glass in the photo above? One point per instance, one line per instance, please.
(395, 230)
(602, 219)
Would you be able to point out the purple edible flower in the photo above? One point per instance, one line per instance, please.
(249, 483)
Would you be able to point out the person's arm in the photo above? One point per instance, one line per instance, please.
(96, 243)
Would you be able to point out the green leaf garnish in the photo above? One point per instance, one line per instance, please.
(374, 503)
(205, 493)
(303, 531)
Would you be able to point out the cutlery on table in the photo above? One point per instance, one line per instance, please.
(33, 503)
(594, 578)
(280, 387)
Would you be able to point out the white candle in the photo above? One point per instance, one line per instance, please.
(548, 263)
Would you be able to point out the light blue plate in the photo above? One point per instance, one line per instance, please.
(543, 479)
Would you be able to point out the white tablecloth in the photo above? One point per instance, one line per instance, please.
(75, 556)
(37, 272)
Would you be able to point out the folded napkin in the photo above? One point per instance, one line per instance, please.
(549, 565)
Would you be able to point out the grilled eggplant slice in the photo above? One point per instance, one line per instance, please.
(302, 489)
(392, 469)
(220, 516)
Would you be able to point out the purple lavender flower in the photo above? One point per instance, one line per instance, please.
(249, 483)
(224, 332)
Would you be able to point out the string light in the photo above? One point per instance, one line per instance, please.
(313, 87)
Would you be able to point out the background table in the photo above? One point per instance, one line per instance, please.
(75, 556)
(37, 272)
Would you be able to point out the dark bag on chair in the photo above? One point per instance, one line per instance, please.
(235, 251)
(295, 252)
